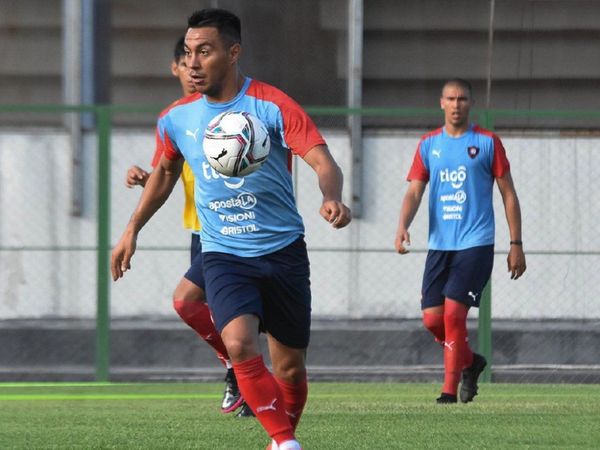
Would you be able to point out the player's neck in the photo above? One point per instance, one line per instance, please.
(456, 130)
(230, 90)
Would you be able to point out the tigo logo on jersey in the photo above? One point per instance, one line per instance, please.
(473, 151)
(455, 177)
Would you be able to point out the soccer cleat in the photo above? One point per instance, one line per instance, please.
(232, 397)
(470, 375)
(445, 399)
(272, 446)
(245, 411)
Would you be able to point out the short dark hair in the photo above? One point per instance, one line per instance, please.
(461, 83)
(227, 23)
(179, 50)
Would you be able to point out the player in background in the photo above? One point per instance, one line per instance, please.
(193, 310)
(460, 161)
(256, 268)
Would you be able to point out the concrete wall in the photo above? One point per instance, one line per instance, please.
(48, 260)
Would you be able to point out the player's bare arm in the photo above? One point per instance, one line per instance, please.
(516, 256)
(158, 188)
(410, 205)
(331, 180)
(136, 176)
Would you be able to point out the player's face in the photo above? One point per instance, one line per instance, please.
(180, 70)
(211, 61)
(456, 103)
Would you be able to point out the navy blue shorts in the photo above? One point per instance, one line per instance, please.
(195, 273)
(460, 275)
(273, 287)
(195, 246)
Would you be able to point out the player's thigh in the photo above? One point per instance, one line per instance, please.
(232, 287)
(469, 272)
(435, 277)
(287, 297)
(189, 291)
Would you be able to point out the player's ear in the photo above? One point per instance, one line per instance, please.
(174, 69)
(235, 51)
(441, 102)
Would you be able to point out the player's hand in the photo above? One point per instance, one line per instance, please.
(402, 237)
(136, 176)
(121, 255)
(516, 262)
(336, 213)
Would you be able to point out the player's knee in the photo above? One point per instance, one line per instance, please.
(189, 292)
(433, 322)
(454, 320)
(292, 374)
(241, 349)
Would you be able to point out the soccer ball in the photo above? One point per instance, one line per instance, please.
(236, 143)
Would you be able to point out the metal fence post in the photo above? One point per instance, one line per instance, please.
(103, 278)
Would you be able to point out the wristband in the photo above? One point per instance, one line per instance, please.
(519, 242)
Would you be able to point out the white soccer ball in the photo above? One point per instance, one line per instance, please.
(236, 143)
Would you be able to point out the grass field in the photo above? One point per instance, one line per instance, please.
(337, 416)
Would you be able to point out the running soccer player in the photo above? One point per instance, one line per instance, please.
(460, 161)
(193, 309)
(256, 272)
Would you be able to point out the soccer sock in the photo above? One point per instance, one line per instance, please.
(435, 324)
(455, 322)
(294, 399)
(261, 392)
(197, 315)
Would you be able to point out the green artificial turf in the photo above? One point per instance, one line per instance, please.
(337, 416)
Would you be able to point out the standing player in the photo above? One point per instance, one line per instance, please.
(255, 264)
(461, 162)
(193, 310)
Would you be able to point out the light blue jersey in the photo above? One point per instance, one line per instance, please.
(254, 215)
(461, 172)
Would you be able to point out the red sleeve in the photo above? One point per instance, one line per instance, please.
(500, 164)
(158, 151)
(418, 171)
(300, 132)
(170, 151)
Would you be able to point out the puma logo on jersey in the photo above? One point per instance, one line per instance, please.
(267, 407)
(193, 134)
(436, 152)
(449, 345)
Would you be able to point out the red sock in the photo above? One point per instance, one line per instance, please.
(197, 315)
(435, 324)
(455, 344)
(294, 399)
(261, 392)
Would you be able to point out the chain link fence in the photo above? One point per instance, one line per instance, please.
(365, 296)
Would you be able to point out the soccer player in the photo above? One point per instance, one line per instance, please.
(256, 268)
(460, 161)
(193, 309)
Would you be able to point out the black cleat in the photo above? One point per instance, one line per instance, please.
(445, 399)
(245, 411)
(470, 375)
(232, 398)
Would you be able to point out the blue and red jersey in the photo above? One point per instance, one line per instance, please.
(256, 214)
(461, 172)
